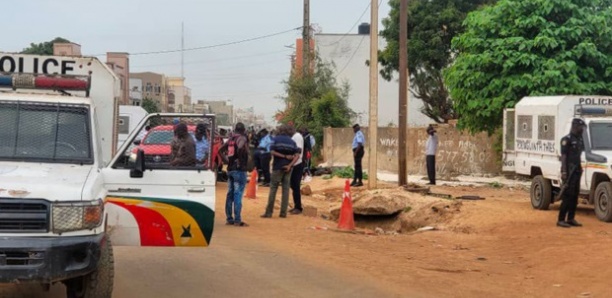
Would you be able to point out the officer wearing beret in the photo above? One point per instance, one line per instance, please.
(572, 146)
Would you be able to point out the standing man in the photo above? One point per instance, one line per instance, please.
(235, 152)
(572, 146)
(201, 143)
(286, 154)
(298, 171)
(358, 152)
(263, 156)
(431, 148)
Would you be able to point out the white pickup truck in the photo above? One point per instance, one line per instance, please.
(532, 140)
(65, 193)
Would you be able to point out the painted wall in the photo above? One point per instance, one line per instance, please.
(459, 153)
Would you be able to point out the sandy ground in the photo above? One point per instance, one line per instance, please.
(499, 247)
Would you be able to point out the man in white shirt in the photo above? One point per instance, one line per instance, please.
(431, 148)
(296, 175)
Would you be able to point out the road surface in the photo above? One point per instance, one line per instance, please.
(239, 263)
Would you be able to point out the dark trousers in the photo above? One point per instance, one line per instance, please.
(431, 168)
(358, 156)
(570, 198)
(262, 163)
(296, 179)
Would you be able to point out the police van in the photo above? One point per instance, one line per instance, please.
(67, 193)
(532, 139)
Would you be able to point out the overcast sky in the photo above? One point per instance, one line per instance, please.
(249, 74)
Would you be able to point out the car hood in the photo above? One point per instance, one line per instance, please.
(53, 182)
(156, 149)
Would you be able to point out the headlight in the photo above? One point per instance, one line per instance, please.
(76, 216)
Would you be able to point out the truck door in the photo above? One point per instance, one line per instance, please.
(160, 193)
(509, 155)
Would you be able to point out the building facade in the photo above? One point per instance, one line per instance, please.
(154, 88)
(180, 93)
(120, 64)
(349, 53)
(135, 92)
(224, 111)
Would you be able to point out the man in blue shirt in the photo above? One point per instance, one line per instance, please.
(202, 145)
(286, 154)
(358, 152)
(263, 156)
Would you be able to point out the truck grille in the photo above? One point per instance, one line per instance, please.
(24, 216)
(18, 258)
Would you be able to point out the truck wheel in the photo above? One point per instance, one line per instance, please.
(98, 284)
(603, 201)
(541, 193)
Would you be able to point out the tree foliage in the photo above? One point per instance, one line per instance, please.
(43, 48)
(520, 48)
(150, 106)
(431, 28)
(317, 101)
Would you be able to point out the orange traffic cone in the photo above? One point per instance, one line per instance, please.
(346, 222)
(251, 192)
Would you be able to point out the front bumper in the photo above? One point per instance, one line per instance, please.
(47, 260)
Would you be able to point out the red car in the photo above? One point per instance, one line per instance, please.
(156, 143)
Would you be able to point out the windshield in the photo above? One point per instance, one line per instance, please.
(53, 132)
(160, 137)
(601, 135)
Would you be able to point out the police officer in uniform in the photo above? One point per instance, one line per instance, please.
(572, 146)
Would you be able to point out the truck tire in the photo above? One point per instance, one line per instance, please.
(541, 193)
(603, 201)
(98, 284)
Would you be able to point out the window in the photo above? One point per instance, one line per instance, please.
(601, 135)
(33, 131)
(162, 150)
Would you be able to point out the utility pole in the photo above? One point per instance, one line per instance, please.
(183, 50)
(306, 40)
(403, 94)
(373, 126)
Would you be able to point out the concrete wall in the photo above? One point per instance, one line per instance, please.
(458, 153)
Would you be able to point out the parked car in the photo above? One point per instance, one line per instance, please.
(156, 144)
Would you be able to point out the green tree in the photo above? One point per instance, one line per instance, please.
(431, 28)
(317, 101)
(150, 106)
(43, 48)
(519, 48)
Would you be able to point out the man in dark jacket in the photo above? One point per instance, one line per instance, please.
(235, 152)
(286, 154)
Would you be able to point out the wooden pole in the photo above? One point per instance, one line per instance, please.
(306, 40)
(403, 94)
(373, 126)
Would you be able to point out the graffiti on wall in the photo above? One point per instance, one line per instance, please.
(455, 157)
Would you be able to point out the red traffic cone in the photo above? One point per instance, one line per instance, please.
(347, 221)
(251, 192)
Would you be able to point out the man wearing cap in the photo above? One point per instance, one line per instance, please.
(572, 146)
(358, 152)
(431, 148)
(201, 142)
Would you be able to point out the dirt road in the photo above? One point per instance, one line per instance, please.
(241, 262)
(499, 247)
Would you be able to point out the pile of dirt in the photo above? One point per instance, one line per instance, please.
(395, 210)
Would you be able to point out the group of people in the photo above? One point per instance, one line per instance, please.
(289, 151)
(188, 150)
(431, 148)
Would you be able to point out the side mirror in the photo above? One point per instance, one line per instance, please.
(139, 165)
(137, 142)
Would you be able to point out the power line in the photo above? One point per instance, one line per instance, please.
(212, 61)
(352, 56)
(352, 28)
(213, 46)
